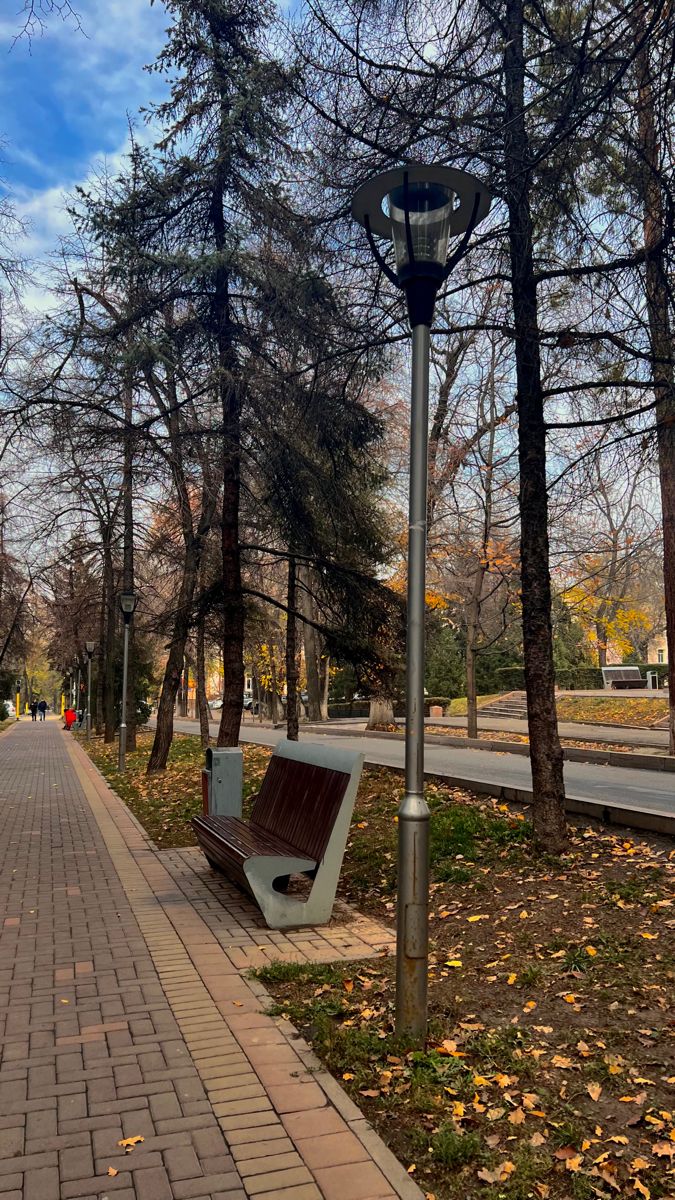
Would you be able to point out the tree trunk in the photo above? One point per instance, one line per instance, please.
(548, 801)
(274, 712)
(311, 644)
(471, 697)
(202, 703)
(174, 665)
(601, 638)
(292, 722)
(100, 659)
(109, 655)
(325, 685)
(657, 288)
(128, 561)
(381, 712)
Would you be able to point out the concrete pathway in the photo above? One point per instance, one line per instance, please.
(124, 1014)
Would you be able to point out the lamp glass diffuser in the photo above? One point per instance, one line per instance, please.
(127, 602)
(430, 208)
(90, 647)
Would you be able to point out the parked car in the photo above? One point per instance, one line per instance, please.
(215, 704)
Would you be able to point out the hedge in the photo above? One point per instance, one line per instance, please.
(512, 679)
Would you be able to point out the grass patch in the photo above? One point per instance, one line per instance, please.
(458, 706)
(612, 709)
(166, 802)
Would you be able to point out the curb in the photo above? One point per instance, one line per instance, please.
(610, 758)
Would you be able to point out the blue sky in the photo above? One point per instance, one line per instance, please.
(65, 97)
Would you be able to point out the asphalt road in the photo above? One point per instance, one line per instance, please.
(618, 788)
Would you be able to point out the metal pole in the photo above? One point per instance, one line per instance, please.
(79, 690)
(122, 764)
(412, 946)
(89, 699)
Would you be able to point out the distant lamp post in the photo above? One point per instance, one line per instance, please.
(89, 647)
(128, 602)
(418, 208)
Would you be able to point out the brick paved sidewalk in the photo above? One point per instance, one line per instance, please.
(123, 1013)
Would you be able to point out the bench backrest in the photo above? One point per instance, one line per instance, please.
(623, 674)
(299, 802)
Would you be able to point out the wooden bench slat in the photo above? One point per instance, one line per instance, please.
(243, 837)
(298, 802)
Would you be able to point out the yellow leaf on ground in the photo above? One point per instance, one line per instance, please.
(411, 1168)
(517, 1116)
(347, 1075)
(570, 998)
(591, 951)
(559, 1060)
(649, 937)
(500, 1173)
(479, 917)
(454, 962)
(618, 1137)
(131, 1141)
(664, 1149)
(638, 1186)
(512, 978)
(349, 985)
(574, 1164)
(639, 1164)
(112, 1171)
(594, 1090)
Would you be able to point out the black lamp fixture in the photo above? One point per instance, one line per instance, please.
(419, 208)
(128, 602)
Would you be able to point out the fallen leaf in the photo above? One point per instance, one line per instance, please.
(591, 951)
(348, 985)
(649, 937)
(112, 1171)
(500, 1173)
(347, 1075)
(664, 1149)
(512, 978)
(372, 1092)
(639, 1164)
(130, 1142)
(537, 1139)
(479, 917)
(412, 1168)
(517, 1116)
(594, 1090)
(638, 1186)
(454, 962)
(559, 1060)
(574, 1164)
(618, 1137)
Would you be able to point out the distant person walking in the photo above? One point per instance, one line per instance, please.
(33, 710)
(42, 709)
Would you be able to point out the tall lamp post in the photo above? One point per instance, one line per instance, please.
(128, 601)
(89, 647)
(418, 208)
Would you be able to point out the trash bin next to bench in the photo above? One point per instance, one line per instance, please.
(299, 825)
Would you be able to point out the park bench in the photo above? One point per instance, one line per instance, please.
(623, 677)
(298, 826)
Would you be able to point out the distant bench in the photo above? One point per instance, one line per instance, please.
(299, 825)
(623, 677)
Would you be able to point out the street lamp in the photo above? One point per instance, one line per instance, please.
(418, 208)
(89, 647)
(128, 602)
